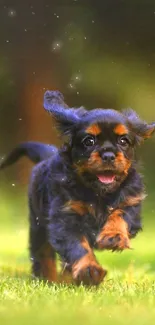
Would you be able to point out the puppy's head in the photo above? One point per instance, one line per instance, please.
(102, 141)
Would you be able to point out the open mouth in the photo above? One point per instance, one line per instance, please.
(108, 177)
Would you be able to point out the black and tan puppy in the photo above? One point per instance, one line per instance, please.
(88, 193)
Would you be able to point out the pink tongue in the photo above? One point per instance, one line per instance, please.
(106, 179)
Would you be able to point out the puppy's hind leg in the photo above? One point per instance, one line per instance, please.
(43, 256)
(48, 263)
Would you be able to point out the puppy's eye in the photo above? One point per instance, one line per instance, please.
(123, 141)
(89, 141)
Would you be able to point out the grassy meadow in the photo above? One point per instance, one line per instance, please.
(126, 296)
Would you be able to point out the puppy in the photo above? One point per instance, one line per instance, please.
(88, 193)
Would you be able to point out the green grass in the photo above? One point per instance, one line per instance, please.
(126, 297)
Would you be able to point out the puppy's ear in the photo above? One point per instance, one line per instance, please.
(66, 118)
(141, 129)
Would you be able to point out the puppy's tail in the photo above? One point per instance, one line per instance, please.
(35, 151)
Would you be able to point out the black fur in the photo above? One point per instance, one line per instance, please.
(35, 151)
(68, 176)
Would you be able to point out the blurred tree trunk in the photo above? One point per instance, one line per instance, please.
(37, 124)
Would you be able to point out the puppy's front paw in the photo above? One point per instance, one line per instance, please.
(88, 272)
(112, 241)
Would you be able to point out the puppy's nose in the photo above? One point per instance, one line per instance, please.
(108, 157)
